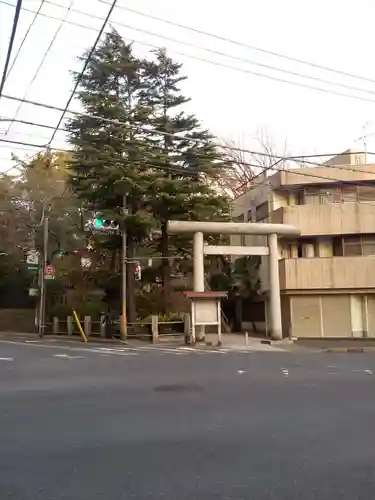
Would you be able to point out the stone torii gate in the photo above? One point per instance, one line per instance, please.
(272, 231)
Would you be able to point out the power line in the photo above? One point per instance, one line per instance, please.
(9, 169)
(21, 143)
(11, 43)
(62, 22)
(301, 158)
(18, 164)
(241, 44)
(49, 16)
(271, 167)
(168, 134)
(171, 169)
(88, 58)
(236, 162)
(24, 38)
(216, 52)
(261, 75)
(218, 64)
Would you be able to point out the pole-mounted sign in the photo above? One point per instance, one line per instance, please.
(49, 272)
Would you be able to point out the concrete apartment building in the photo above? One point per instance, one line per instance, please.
(327, 275)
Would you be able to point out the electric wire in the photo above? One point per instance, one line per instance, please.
(241, 44)
(301, 158)
(155, 131)
(218, 64)
(24, 38)
(216, 52)
(271, 168)
(17, 13)
(86, 63)
(44, 57)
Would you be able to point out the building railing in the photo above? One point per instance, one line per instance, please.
(331, 219)
(327, 273)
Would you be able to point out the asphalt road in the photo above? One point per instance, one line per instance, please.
(89, 425)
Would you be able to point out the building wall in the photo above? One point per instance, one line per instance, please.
(346, 217)
(331, 316)
(348, 157)
(327, 273)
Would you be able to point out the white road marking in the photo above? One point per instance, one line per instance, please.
(241, 372)
(369, 372)
(66, 356)
(110, 353)
(125, 351)
(66, 348)
(285, 372)
(6, 359)
(212, 351)
(163, 350)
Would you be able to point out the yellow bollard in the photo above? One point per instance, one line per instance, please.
(80, 326)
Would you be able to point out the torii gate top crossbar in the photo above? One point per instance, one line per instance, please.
(176, 227)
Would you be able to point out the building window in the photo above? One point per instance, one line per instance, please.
(354, 246)
(249, 216)
(344, 194)
(307, 249)
(262, 211)
(337, 247)
(366, 193)
(368, 245)
(239, 218)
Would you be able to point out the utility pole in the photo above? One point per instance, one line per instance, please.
(123, 272)
(43, 284)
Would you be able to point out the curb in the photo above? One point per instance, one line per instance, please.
(277, 342)
(344, 350)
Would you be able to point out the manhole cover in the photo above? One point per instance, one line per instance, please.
(179, 388)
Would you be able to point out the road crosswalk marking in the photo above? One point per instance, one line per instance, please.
(175, 351)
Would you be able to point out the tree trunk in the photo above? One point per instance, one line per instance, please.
(165, 268)
(131, 310)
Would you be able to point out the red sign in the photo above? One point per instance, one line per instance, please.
(49, 272)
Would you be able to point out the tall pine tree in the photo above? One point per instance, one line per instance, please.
(109, 158)
(189, 161)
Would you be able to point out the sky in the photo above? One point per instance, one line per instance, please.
(233, 102)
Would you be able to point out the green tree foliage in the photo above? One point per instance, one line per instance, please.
(109, 159)
(189, 161)
(42, 188)
(15, 232)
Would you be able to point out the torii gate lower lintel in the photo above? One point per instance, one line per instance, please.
(272, 231)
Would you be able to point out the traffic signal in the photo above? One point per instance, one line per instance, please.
(137, 272)
(105, 225)
(98, 223)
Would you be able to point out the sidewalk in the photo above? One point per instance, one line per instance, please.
(238, 342)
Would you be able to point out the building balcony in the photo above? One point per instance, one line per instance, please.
(327, 273)
(323, 174)
(332, 219)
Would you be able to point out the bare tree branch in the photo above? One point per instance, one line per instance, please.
(243, 167)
